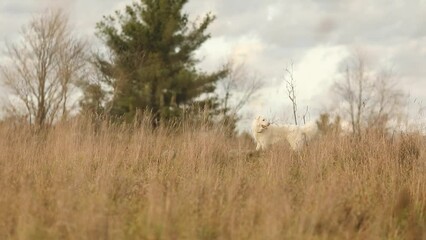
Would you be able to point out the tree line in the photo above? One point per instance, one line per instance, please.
(147, 63)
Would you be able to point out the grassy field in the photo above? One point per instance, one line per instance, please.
(78, 181)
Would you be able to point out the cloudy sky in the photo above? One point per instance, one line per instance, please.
(317, 36)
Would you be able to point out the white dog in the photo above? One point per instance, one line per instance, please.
(266, 134)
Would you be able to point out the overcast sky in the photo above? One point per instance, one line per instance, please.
(318, 36)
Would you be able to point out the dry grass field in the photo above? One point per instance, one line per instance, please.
(78, 181)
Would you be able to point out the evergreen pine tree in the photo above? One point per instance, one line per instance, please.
(151, 65)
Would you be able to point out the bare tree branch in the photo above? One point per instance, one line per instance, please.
(291, 89)
(370, 100)
(43, 66)
(238, 87)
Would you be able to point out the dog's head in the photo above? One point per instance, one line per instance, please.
(260, 124)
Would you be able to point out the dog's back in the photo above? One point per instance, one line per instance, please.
(296, 136)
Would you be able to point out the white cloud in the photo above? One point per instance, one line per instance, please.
(217, 50)
(314, 73)
(272, 12)
(317, 69)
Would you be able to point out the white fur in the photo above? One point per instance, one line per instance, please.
(266, 134)
(346, 128)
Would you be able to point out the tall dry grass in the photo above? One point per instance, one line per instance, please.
(81, 181)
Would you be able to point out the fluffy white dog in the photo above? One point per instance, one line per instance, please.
(266, 134)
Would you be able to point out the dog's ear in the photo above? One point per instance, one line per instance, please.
(258, 117)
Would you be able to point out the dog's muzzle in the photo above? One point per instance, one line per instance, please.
(263, 127)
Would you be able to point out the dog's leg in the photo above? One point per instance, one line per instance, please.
(258, 147)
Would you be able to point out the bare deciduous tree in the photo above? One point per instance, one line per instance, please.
(290, 85)
(42, 67)
(369, 100)
(72, 66)
(238, 87)
(235, 91)
(388, 101)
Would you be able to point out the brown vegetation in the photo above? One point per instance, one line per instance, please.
(129, 182)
